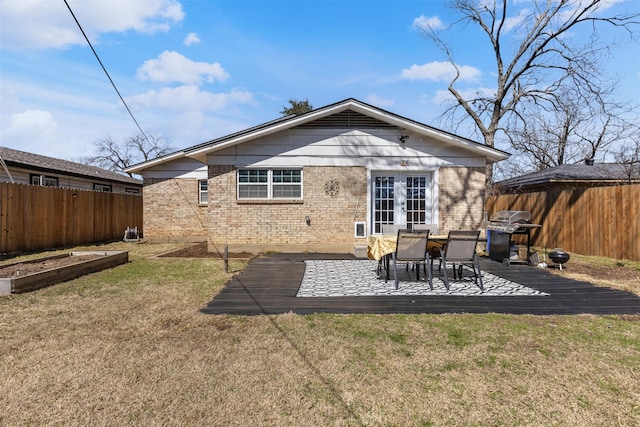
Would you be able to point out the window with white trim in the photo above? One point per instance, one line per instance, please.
(270, 184)
(46, 181)
(203, 192)
(102, 187)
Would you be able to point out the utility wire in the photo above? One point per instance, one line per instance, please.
(105, 71)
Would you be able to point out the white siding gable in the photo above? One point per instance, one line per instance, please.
(179, 168)
(372, 148)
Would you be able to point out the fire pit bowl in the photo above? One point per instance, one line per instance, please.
(559, 256)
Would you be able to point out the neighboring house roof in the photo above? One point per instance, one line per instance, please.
(584, 174)
(352, 111)
(37, 162)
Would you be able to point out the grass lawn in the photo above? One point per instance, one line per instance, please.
(128, 346)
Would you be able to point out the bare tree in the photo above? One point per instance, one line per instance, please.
(117, 157)
(629, 158)
(534, 57)
(297, 107)
(578, 126)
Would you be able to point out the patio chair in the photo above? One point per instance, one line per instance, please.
(390, 229)
(433, 228)
(411, 248)
(461, 249)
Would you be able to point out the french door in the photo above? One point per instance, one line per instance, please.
(402, 199)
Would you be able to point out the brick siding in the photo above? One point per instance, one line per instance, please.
(171, 210)
(334, 198)
(461, 202)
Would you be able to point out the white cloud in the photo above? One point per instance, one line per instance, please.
(440, 71)
(189, 98)
(379, 101)
(31, 122)
(32, 131)
(174, 67)
(192, 38)
(515, 21)
(426, 23)
(41, 24)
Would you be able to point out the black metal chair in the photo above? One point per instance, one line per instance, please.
(433, 228)
(411, 247)
(461, 249)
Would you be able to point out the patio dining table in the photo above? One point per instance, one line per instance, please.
(381, 246)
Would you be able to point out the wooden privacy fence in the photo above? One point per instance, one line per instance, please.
(34, 218)
(602, 221)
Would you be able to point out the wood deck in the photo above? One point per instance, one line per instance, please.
(269, 285)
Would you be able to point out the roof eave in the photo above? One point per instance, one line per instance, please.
(564, 181)
(140, 167)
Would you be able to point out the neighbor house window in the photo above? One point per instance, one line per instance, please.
(270, 184)
(102, 187)
(203, 193)
(46, 181)
(132, 190)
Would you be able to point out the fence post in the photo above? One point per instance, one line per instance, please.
(226, 258)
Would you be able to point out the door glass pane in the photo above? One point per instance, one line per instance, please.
(416, 197)
(383, 202)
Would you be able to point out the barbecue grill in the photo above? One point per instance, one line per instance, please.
(502, 225)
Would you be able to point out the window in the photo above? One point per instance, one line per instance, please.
(46, 181)
(270, 184)
(102, 187)
(203, 193)
(132, 190)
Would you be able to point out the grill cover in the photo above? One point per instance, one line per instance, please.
(510, 217)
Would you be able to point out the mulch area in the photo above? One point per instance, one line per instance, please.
(199, 250)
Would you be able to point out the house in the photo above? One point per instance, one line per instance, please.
(582, 175)
(28, 168)
(317, 182)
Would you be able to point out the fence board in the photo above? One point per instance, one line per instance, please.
(35, 218)
(591, 221)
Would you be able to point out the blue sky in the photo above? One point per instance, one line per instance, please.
(194, 70)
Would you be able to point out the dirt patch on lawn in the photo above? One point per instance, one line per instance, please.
(200, 251)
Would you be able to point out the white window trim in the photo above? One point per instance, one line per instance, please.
(44, 180)
(201, 192)
(269, 184)
(104, 188)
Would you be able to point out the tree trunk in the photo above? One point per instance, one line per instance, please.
(488, 189)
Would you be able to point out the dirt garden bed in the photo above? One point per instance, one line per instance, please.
(38, 273)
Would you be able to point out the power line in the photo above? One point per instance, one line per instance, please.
(105, 71)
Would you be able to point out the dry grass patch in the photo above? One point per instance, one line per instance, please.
(129, 346)
(617, 274)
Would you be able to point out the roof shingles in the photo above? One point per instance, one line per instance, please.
(24, 159)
